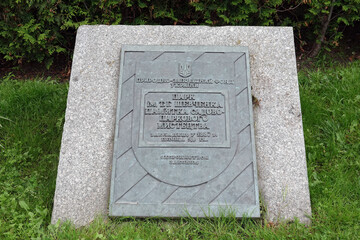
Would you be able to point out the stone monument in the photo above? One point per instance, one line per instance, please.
(87, 149)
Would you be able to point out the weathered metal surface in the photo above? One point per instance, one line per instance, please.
(184, 138)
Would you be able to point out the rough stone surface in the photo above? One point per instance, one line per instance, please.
(83, 181)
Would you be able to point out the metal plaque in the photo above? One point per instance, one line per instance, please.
(184, 136)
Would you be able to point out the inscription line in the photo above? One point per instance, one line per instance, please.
(135, 51)
(158, 56)
(131, 187)
(230, 183)
(251, 184)
(240, 91)
(201, 186)
(130, 166)
(128, 78)
(168, 52)
(125, 115)
(170, 195)
(123, 153)
(152, 189)
(243, 129)
(199, 56)
(239, 57)
(240, 150)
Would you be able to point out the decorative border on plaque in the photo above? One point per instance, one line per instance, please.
(197, 108)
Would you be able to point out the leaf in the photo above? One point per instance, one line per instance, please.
(31, 215)
(42, 36)
(99, 236)
(48, 63)
(357, 98)
(142, 5)
(1, 117)
(339, 138)
(344, 20)
(313, 11)
(353, 125)
(225, 18)
(23, 205)
(30, 38)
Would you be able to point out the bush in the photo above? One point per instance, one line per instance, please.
(38, 30)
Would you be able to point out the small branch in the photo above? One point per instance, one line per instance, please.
(336, 15)
(320, 40)
(289, 9)
(283, 10)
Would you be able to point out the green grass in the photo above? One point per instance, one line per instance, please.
(331, 115)
(32, 115)
(29, 149)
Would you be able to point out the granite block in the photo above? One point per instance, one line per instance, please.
(84, 172)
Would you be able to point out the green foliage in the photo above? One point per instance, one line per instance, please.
(345, 13)
(241, 12)
(38, 30)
